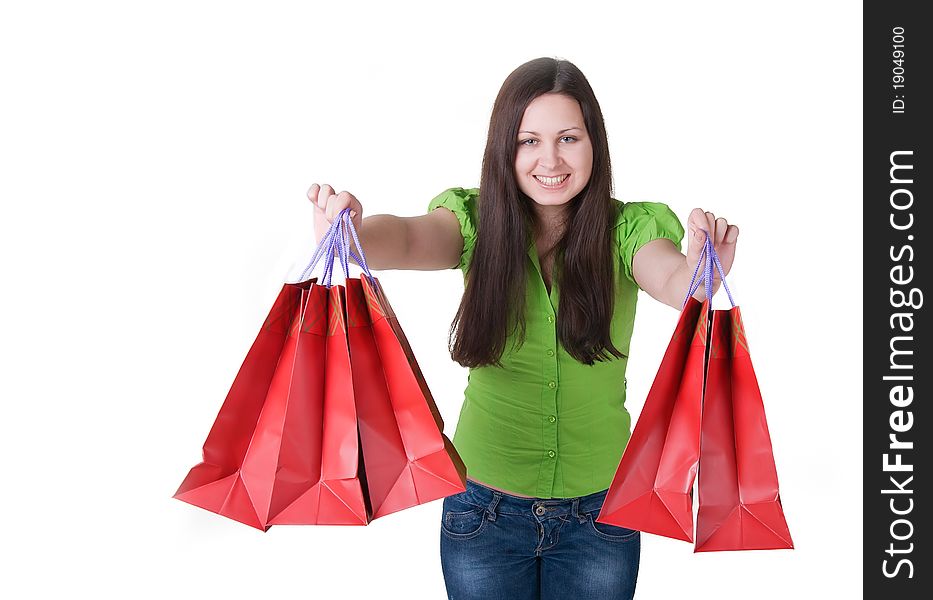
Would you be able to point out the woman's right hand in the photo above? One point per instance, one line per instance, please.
(327, 205)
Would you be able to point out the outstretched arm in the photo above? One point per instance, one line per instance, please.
(424, 243)
(665, 273)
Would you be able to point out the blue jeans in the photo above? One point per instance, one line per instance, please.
(497, 546)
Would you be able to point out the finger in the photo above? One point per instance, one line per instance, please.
(711, 225)
(721, 226)
(337, 203)
(356, 212)
(313, 192)
(344, 200)
(355, 207)
(325, 199)
(697, 223)
(324, 196)
(732, 234)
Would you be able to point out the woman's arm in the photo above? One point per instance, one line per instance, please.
(424, 243)
(665, 273)
(430, 242)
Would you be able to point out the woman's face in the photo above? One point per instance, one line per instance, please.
(553, 143)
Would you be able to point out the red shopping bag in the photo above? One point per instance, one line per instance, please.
(408, 459)
(288, 444)
(652, 490)
(215, 483)
(707, 389)
(740, 505)
(267, 459)
(406, 456)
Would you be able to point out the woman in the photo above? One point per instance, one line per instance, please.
(552, 267)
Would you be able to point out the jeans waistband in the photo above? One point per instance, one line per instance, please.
(496, 502)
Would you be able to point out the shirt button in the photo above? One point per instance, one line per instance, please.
(550, 352)
(552, 418)
(550, 319)
(551, 453)
(551, 384)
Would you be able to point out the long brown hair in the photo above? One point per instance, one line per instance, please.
(494, 297)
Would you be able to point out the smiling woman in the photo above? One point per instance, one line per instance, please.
(552, 265)
(544, 326)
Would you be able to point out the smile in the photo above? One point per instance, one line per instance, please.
(552, 183)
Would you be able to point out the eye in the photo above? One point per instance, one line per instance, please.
(525, 141)
(564, 137)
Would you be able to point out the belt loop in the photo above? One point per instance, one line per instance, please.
(491, 509)
(575, 511)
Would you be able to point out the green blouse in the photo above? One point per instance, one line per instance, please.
(547, 425)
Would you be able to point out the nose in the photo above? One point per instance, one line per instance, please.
(550, 157)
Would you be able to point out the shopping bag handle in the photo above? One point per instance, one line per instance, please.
(325, 248)
(707, 276)
(336, 239)
(346, 250)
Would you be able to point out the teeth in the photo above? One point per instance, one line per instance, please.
(551, 180)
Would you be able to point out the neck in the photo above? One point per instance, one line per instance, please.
(550, 221)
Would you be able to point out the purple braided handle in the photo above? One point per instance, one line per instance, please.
(711, 257)
(335, 240)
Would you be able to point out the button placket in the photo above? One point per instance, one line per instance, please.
(549, 411)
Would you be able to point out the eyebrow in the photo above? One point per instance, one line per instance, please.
(561, 131)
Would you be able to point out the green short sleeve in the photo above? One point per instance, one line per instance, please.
(641, 222)
(463, 203)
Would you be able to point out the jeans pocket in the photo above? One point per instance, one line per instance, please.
(461, 519)
(609, 532)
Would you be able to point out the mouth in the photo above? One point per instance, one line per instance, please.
(552, 183)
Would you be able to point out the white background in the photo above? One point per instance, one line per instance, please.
(155, 158)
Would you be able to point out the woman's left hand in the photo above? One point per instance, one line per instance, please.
(721, 234)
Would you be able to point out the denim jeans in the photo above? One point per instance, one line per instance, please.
(497, 546)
